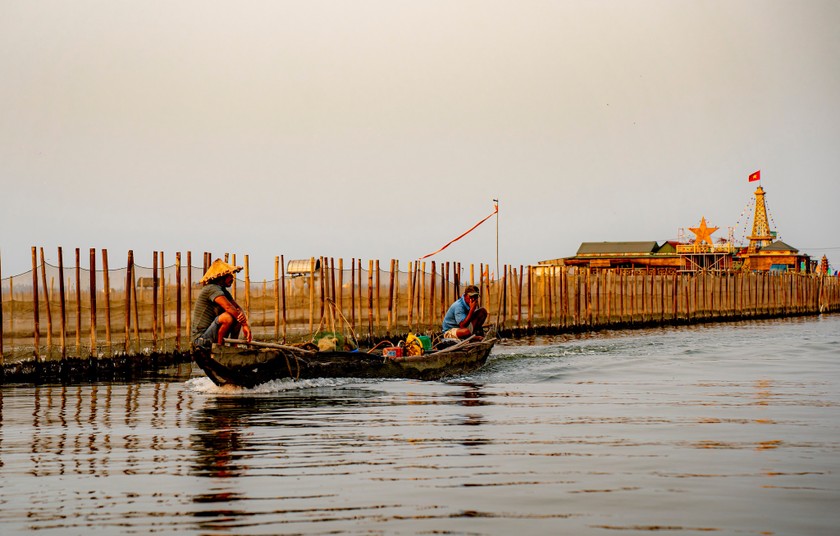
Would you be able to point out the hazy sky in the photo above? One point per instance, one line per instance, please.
(382, 129)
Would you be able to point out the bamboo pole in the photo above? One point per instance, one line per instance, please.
(360, 290)
(311, 295)
(422, 276)
(675, 296)
(505, 293)
(662, 298)
(62, 305)
(47, 307)
(283, 292)
(107, 294)
(276, 298)
(446, 300)
(178, 301)
(443, 285)
(162, 317)
(520, 279)
(370, 300)
(530, 297)
(377, 302)
(596, 299)
(588, 296)
(264, 308)
(322, 274)
(78, 305)
(155, 284)
(247, 286)
(457, 276)
(189, 297)
(12, 306)
(396, 293)
(235, 280)
(499, 301)
(36, 331)
(432, 309)
(332, 281)
(340, 294)
(134, 299)
(564, 296)
(353, 293)
(93, 348)
(390, 300)
(128, 267)
(2, 359)
(579, 298)
(410, 293)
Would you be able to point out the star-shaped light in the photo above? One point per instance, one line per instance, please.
(703, 233)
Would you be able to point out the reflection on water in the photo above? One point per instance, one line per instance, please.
(726, 429)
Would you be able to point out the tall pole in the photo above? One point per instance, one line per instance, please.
(496, 202)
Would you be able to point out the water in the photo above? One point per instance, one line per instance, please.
(727, 428)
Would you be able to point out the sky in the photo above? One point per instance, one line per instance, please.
(382, 129)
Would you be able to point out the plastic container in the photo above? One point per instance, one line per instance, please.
(394, 351)
(426, 341)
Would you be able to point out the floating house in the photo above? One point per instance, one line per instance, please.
(764, 253)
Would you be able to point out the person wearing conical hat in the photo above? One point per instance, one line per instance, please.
(216, 314)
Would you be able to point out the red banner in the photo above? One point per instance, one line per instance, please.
(471, 229)
(755, 176)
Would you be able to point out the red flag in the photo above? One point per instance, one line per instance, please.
(755, 176)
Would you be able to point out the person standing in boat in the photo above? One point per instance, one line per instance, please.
(216, 314)
(465, 317)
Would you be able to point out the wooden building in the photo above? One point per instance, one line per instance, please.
(776, 257)
(629, 255)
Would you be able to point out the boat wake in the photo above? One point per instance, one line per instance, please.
(205, 386)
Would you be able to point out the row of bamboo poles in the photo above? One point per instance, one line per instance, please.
(152, 314)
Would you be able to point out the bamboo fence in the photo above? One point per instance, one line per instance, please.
(53, 313)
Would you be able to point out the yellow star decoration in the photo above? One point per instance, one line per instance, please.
(703, 233)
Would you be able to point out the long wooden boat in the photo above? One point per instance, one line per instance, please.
(252, 364)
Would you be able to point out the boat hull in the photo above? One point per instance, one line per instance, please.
(250, 366)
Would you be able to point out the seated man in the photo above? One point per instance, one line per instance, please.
(465, 317)
(215, 314)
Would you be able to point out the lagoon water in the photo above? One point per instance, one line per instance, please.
(721, 428)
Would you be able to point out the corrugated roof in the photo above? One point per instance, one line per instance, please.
(302, 266)
(617, 248)
(778, 245)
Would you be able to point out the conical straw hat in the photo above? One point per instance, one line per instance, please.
(219, 268)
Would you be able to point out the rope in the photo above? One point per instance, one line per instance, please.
(471, 229)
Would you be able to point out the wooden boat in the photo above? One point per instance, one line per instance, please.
(251, 364)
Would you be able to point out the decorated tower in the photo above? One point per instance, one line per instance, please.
(760, 236)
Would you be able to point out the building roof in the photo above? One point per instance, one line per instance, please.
(778, 245)
(617, 248)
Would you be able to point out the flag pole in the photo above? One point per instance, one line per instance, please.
(496, 201)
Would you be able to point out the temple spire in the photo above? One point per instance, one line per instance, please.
(761, 227)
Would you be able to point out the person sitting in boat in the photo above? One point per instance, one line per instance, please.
(465, 317)
(216, 314)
